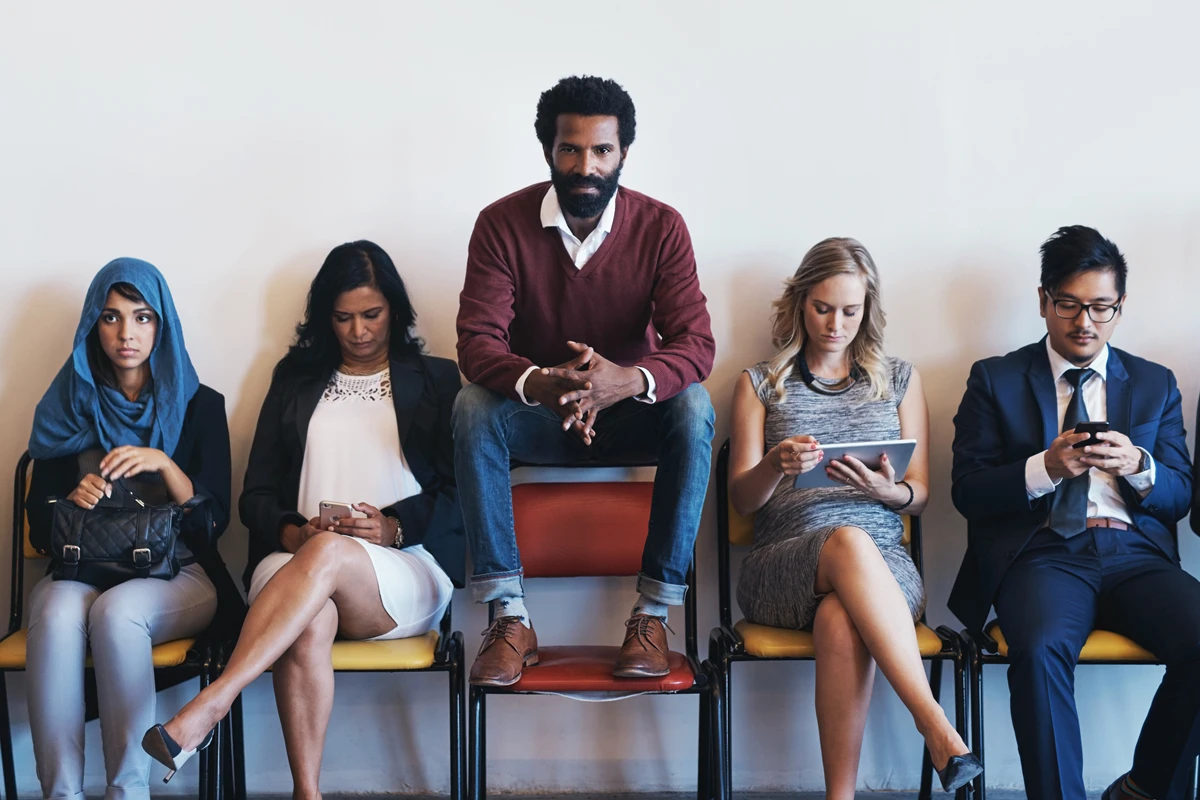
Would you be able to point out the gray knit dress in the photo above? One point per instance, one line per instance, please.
(776, 586)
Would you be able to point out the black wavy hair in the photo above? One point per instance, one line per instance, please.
(98, 360)
(589, 96)
(350, 266)
(1077, 248)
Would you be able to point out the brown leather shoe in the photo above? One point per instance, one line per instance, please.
(508, 647)
(644, 653)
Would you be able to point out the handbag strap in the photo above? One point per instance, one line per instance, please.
(71, 552)
(142, 557)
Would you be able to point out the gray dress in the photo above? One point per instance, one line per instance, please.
(777, 581)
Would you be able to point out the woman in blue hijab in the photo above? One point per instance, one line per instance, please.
(127, 404)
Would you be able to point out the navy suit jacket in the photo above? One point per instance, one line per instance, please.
(1009, 413)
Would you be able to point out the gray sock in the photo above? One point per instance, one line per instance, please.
(651, 607)
(511, 607)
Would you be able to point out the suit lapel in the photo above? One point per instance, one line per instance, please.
(1041, 383)
(1117, 388)
(408, 383)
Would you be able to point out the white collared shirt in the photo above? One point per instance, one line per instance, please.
(1104, 496)
(580, 253)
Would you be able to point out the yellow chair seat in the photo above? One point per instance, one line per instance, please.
(415, 652)
(1100, 646)
(766, 642)
(168, 654)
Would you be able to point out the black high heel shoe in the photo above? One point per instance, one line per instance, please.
(166, 751)
(959, 771)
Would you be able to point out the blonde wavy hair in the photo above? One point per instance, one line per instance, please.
(827, 259)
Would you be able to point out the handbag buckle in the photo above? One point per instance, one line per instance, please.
(70, 554)
(142, 553)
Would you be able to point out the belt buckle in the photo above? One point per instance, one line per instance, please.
(143, 552)
(70, 550)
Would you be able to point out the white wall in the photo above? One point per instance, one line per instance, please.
(234, 144)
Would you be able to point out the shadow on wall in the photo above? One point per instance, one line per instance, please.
(283, 305)
(44, 327)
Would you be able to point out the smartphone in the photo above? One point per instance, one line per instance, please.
(332, 511)
(1091, 427)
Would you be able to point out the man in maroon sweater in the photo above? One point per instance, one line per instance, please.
(585, 336)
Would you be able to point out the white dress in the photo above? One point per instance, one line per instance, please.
(353, 455)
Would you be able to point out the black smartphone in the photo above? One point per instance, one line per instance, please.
(1091, 427)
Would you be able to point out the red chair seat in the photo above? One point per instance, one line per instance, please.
(588, 668)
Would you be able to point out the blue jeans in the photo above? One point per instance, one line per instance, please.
(490, 429)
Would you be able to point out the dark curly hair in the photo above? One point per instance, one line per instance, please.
(350, 266)
(589, 96)
(1077, 248)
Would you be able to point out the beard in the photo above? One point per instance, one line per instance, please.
(585, 206)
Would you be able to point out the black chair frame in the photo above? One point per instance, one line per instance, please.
(706, 685)
(199, 662)
(727, 647)
(447, 658)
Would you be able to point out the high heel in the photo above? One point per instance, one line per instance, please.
(166, 751)
(959, 771)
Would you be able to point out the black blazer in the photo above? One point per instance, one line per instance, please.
(1009, 413)
(203, 455)
(423, 391)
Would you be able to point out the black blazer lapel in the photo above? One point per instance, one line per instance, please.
(408, 384)
(1041, 383)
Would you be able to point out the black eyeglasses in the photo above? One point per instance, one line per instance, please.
(1097, 312)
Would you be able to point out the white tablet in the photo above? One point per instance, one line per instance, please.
(899, 452)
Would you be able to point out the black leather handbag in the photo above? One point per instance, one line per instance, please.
(120, 539)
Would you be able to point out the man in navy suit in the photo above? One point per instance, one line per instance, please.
(1063, 538)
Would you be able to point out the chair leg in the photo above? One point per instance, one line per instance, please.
(456, 736)
(204, 755)
(704, 752)
(976, 681)
(935, 687)
(6, 747)
(237, 744)
(961, 687)
(727, 728)
(478, 749)
(719, 743)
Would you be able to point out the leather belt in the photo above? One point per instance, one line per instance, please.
(1104, 522)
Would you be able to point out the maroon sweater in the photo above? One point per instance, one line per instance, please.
(523, 298)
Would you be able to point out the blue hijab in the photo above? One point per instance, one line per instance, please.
(78, 414)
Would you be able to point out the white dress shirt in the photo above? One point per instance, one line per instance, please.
(580, 253)
(1104, 496)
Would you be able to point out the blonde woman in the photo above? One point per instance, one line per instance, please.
(830, 560)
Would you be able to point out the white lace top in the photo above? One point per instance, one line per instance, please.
(353, 452)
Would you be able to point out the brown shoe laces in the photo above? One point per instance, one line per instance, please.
(498, 631)
(640, 625)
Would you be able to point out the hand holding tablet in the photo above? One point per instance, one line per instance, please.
(899, 452)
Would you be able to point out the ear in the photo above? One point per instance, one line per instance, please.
(624, 154)
(549, 158)
(1042, 299)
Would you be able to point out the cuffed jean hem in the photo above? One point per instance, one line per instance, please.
(670, 594)
(485, 588)
(76, 796)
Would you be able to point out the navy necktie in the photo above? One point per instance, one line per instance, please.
(1068, 509)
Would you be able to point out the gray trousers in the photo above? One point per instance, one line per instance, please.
(121, 625)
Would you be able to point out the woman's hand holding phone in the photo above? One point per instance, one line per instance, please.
(374, 527)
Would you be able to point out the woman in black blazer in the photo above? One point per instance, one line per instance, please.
(355, 526)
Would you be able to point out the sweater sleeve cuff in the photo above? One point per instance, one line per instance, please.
(1038, 482)
(521, 386)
